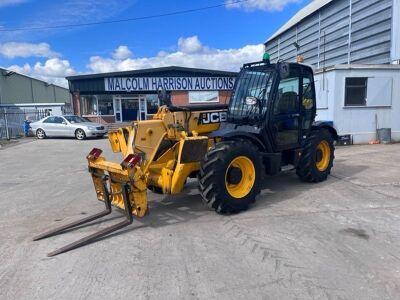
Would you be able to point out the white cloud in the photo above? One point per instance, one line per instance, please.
(265, 5)
(122, 52)
(4, 3)
(54, 67)
(15, 49)
(53, 70)
(190, 53)
(190, 45)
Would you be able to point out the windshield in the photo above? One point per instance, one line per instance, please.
(75, 119)
(254, 85)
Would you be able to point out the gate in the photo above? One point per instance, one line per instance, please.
(12, 120)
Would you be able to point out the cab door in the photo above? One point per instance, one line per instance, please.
(286, 119)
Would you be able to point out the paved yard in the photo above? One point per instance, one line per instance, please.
(336, 240)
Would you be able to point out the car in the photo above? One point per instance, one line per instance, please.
(67, 126)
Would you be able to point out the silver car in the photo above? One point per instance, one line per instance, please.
(67, 126)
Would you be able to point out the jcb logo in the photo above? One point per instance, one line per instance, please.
(213, 117)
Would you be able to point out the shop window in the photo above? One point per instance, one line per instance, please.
(97, 105)
(88, 105)
(203, 97)
(105, 104)
(356, 91)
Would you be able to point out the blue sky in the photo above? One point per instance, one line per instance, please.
(219, 38)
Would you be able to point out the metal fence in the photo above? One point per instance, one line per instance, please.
(12, 120)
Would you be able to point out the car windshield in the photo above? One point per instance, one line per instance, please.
(250, 96)
(75, 119)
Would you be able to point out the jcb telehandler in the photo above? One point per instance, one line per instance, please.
(268, 126)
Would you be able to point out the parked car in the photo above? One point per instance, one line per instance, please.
(67, 126)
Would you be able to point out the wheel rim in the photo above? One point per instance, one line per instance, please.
(243, 186)
(323, 156)
(40, 134)
(79, 134)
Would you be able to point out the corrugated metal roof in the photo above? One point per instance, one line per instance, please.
(303, 13)
(4, 71)
(341, 32)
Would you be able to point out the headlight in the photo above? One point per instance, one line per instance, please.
(91, 128)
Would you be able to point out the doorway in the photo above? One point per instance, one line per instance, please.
(130, 108)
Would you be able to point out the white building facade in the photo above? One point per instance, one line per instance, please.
(360, 99)
(354, 48)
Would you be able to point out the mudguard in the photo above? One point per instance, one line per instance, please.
(233, 133)
(326, 125)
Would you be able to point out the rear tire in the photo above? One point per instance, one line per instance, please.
(40, 134)
(317, 157)
(230, 176)
(80, 134)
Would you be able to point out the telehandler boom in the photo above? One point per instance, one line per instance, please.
(269, 125)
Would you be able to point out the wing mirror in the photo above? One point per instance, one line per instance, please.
(250, 100)
(65, 123)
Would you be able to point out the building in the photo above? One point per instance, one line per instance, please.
(354, 47)
(332, 32)
(360, 99)
(133, 95)
(21, 92)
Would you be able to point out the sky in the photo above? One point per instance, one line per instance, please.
(221, 38)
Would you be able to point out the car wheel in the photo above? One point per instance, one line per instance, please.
(80, 134)
(40, 134)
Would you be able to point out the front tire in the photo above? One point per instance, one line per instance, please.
(317, 157)
(230, 176)
(80, 134)
(40, 134)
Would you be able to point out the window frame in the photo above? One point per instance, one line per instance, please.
(62, 120)
(97, 111)
(275, 110)
(346, 87)
(49, 117)
(202, 102)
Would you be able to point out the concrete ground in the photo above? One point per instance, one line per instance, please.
(335, 240)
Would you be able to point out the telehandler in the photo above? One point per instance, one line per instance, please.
(269, 126)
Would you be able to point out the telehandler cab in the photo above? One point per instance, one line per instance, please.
(268, 126)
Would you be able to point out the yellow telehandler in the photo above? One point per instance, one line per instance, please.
(269, 125)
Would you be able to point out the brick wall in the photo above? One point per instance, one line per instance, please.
(76, 103)
(101, 119)
(180, 98)
(224, 97)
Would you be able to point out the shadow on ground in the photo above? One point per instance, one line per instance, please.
(165, 210)
(188, 206)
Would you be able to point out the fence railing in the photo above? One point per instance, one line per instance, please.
(12, 120)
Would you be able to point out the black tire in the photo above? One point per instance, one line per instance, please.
(40, 134)
(310, 168)
(80, 134)
(216, 184)
(156, 189)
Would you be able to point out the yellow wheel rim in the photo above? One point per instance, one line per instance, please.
(246, 182)
(323, 156)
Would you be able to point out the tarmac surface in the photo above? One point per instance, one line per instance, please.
(336, 240)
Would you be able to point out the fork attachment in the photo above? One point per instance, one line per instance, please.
(90, 238)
